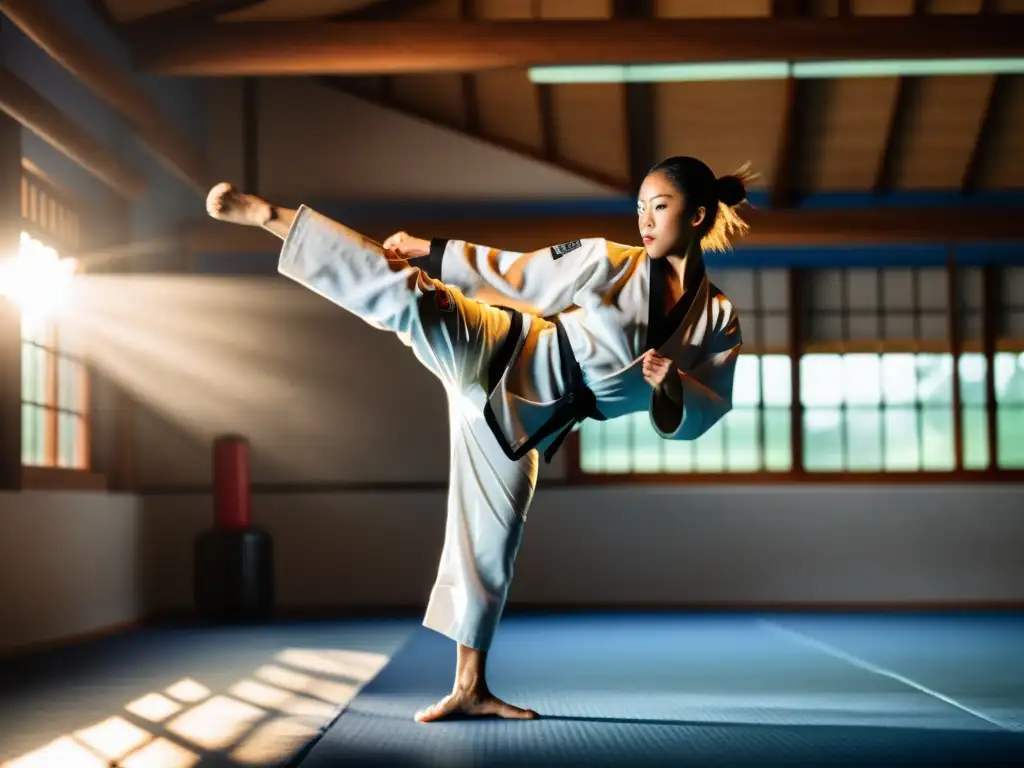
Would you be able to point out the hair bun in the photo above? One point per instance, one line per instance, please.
(731, 190)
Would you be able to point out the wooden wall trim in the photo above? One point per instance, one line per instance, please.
(799, 477)
(575, 478)
(113, 86)
(25, 105)
(59, 479)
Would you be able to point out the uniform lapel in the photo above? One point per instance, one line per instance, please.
(661, 324)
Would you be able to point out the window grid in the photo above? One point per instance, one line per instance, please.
(908, 428)
(54, 403)
(56, 423)
(46, 216)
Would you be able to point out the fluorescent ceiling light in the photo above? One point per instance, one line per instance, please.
(771, 70)
(662, 73)
(907, 67)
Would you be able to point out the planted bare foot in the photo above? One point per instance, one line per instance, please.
(464, 703)
(226, 203)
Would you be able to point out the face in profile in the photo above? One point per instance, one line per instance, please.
(660, 212)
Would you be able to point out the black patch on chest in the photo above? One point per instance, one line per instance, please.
(558, 251)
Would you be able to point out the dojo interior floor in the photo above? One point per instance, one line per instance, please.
(616, 689)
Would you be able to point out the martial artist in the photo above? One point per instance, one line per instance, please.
(527, 346)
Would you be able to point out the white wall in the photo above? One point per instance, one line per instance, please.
(636, 546)
(70, 564)
(347, 149)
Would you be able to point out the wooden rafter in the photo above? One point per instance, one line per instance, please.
(112, 85)
(191, 12)
(548, 126)
(382, 10)
(394, 47)
(25, 105)
(640, 117)
(470, 98)
(786, 185)
(985, 140)
(907, 90)
(545, 97)
(251, 135)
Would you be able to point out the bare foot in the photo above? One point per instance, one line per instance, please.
(473, 704)
(228, 204)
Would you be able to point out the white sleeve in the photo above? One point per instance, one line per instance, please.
(706, 388)
(544, 281)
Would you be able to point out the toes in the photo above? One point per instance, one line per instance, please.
(443, 708)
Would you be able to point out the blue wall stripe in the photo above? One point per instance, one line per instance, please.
(412, 210)
(767, 258)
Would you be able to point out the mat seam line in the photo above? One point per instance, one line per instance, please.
(300, 757)
(831, 650)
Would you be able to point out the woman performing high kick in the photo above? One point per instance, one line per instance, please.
(527, 346)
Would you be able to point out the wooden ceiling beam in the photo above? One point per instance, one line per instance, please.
(396, 47)
(21, 102)
(791, 227)
(382, 10)
(186, 13)
(113, 86)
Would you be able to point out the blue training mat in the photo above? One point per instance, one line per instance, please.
(665, 690)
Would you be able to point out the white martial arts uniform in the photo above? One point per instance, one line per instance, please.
(507, 375)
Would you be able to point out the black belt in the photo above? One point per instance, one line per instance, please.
(577, 404)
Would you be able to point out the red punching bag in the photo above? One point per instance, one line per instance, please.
(231, 483)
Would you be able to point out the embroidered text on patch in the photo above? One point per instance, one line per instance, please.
(558, 251)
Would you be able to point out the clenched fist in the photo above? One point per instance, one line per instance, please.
(405, 245)
(656, 368)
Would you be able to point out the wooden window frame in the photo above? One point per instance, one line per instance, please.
(798, 346)
(50, 217)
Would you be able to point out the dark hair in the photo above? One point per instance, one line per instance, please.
(697, 184)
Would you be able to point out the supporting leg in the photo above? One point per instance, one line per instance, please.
(488, 499)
